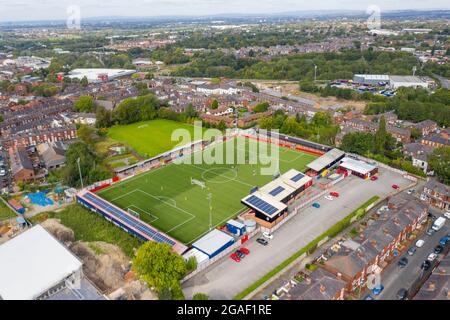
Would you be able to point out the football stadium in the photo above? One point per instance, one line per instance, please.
(185, 201)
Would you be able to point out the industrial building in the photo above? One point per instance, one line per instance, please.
(371, 79)
(358, 168)
(396, 82)
(99, 75)
(34, 265)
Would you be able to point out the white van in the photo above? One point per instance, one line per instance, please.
(438, 224)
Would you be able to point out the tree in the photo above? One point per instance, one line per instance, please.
(103, 117)
(221, 126)
(214, 104)
(84, 104)
(380, 137)
(416, 133)
(160, 267)
(261, 107)
(200, 296)
(358, 142)
(191, 264)
(439, 162)
(137, 109)
(87, 134)
(84, 82)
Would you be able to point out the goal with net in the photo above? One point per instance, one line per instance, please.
(199, 183)
(134, 213)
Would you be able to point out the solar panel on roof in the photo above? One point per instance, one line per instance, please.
(297, 177)
(262, 205)
(276, 191)
(130, 220)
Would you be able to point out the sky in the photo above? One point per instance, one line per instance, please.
(26, 10)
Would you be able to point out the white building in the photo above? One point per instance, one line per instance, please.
(34, 264)
(217, 90)
(407, 81)
(99, 75)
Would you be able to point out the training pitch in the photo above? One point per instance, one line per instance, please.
(166, 198)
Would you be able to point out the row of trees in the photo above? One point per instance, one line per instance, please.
(319, 129)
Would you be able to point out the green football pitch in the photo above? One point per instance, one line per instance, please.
(167, 199)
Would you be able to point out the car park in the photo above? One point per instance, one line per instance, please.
(316, 205)
(431, 257)
(330, 198)
(438, 249)
(378, 289)
(425, 265)
(420, 243)
(235, 257)
(403, 262)
(412, 250)
(262, 241)
(402, 294)
(395, 186)
(268, 235)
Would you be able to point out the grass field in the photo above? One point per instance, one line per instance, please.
(6, 212)
(148, 138)
(166, 199)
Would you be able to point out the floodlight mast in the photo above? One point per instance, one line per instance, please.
(209, 198)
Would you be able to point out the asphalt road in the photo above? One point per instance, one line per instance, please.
(226, 278)
(395, 278)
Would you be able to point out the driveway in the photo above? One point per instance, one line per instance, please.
(226, 278)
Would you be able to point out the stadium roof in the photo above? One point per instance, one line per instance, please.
(407, 79)
(321, 163)
(212, 241)
(264, 203)
(145, 230)
(357, 165)
(295, 179)
(32, 263)
(376, 77)
(285, 185)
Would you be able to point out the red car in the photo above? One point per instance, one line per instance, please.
(235, 257)
(374, 178)
(244, 251)
(394, 186)
(334, 194)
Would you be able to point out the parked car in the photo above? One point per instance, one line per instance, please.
(412, 250)
(240, 254)
(444, 240)
(368, 297)
(316, 205)
(403, 262)
(245, 251)
(431, 216)
(330, 198)
(262, 241)
(431, 257)
(438, 249)
(235, 257)
(402, 294)
(410, 191)
(378, 289)
(334, 194)
(374, 178)
(447, 214)
(268, 235)
(420, 243)
(430, 232)
(395, 186)
(425, 265)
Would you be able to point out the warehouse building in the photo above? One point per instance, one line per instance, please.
(99, 75)
(407, 82)
(213, 243)
(34, 265)
(359, 168)
(371, 79)
(321, 165)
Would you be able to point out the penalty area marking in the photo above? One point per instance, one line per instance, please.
(139, 210)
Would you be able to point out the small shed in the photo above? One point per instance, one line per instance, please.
(213, 243)
(199, 256)
(235, 227)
